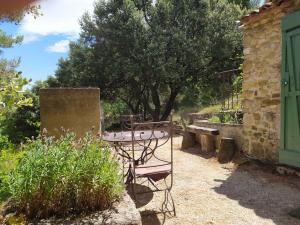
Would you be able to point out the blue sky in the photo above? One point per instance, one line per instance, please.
(46, 38)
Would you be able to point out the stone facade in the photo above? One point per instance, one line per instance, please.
(74, 109)
(262, 79)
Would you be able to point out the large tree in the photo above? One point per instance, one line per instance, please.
(146, 52)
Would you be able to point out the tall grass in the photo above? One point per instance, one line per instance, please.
(58, 177)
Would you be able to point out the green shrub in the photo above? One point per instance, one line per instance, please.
(235, 117)
(214, 119)
(23, 122)
(58, 177)
(112, 113)
(9, 159)
(226, 117)
(4, 142)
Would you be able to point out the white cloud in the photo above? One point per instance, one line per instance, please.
(60, 47)
(30, 38)
(60, 17)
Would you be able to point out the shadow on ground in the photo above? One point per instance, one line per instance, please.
(257, 187)
(140, 199)
(197, 151)
(149, 217)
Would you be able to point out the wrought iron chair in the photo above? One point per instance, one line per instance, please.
(147, 164)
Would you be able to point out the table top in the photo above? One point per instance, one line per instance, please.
(141, 135)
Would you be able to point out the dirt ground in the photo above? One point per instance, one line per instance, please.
(206, 192)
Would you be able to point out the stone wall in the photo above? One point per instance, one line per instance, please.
(74, 109)
(262, 80)
(234, 131)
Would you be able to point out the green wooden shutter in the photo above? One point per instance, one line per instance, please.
(290, 91)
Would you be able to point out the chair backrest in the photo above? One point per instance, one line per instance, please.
(150, 136)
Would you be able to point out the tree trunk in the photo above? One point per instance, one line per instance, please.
(156, 102)
(170, 104)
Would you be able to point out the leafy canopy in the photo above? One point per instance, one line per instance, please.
(148, 52)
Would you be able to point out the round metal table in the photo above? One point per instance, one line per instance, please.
(141, 135)
(125, 144)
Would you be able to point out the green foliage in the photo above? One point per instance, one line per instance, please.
(9, 159)
(148, 52)
(57, 177)
(11, 88)
(247, 5)
(37, 86)
(238, 81)
(211, 109)
(16, 106)
(113, 111)
(226, 117)
(214, 119)
(7, 41)
(12, 97)
(4, 142)
(225, 37)
(24, 122)
(235, 117)
(11, 81)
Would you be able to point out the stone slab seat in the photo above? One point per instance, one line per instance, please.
(203, 130)
(156, 170)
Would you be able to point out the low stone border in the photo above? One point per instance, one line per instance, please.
(192, 117)
(122, 212)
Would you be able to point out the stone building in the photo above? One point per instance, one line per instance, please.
(271, 82)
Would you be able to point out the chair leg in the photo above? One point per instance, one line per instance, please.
(168, 201)
(168, 205)
(129, 178)
(133, 191)
(123, 169)
(153, 184)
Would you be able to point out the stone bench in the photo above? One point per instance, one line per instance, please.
(206, 137)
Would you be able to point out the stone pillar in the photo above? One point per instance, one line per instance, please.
(73, 109)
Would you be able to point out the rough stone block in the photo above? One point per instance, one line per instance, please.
(208, 143)
(188, 140)
(227, 150)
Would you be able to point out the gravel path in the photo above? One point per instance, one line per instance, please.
(206, 192)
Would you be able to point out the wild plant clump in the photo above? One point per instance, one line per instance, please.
(59, 177)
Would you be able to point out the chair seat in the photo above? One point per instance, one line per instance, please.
(156, 170)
